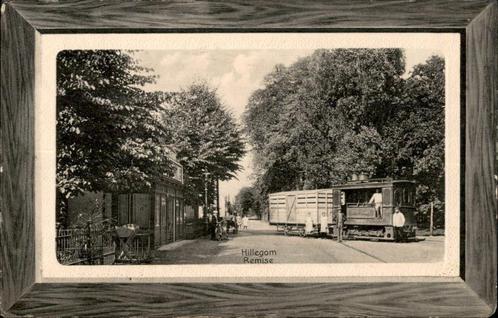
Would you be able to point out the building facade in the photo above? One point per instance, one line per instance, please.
(159, 212)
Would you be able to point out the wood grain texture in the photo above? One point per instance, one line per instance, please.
(480, 211)
(72, 15)
(17, 137)
(253, 300)
(337, 299)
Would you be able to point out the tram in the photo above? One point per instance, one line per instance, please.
(289, 210)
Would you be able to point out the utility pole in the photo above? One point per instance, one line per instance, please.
(218, 196)
(431, 219)
(206, 174)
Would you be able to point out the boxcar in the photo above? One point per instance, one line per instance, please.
(288, 210)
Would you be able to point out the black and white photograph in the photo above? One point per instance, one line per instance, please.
(263, 156)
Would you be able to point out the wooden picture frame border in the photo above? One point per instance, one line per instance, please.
(474, 294)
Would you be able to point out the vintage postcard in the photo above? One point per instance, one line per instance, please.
(248, 157)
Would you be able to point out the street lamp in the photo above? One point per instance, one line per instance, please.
(206, 174)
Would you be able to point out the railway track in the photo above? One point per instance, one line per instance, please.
(362, 252)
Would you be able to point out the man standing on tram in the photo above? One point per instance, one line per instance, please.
(376, 200)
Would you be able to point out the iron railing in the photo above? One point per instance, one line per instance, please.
(89, 246)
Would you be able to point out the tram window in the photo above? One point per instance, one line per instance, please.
(404, 196)
(360, 197)
(351, 197)
(411, 196)
(354, 197)
(397, 197)
(387, 196)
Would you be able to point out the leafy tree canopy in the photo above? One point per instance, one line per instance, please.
(248, 201)
(414, 139)
(334, 101)
(109, 137)
(205, 135)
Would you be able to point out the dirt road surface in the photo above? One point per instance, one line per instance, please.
(294, 249)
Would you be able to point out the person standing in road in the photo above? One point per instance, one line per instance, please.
(229, 220)
(235, 224)
(324, 229)
(340, 225)
(211, 225)
(308, 225)
(245, 222)
(238, 221)
(398, 223)
(215, 225)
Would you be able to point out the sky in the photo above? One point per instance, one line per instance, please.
(235, 74)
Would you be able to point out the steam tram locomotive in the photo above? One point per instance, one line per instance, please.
(289, 210)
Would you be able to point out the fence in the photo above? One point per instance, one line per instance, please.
(84, 246)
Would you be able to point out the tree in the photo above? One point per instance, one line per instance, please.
(311, 121)
(109, 137)
(247, 201)
(205, 135)
(415, 139)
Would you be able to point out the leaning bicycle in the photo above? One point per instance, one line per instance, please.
(221, 233)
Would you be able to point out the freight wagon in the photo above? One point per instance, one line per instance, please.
(288, 210)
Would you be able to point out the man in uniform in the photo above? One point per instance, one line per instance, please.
(398, 223)
(376, 200)
(340, 224)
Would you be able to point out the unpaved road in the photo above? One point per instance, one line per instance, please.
(294, 249)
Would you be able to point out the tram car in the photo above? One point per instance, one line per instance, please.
(289, 210)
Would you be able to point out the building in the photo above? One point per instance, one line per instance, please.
(160, 213)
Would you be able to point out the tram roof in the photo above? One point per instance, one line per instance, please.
(373, 183)
(366, 184)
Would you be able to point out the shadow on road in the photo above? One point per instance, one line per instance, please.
(256, 233)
